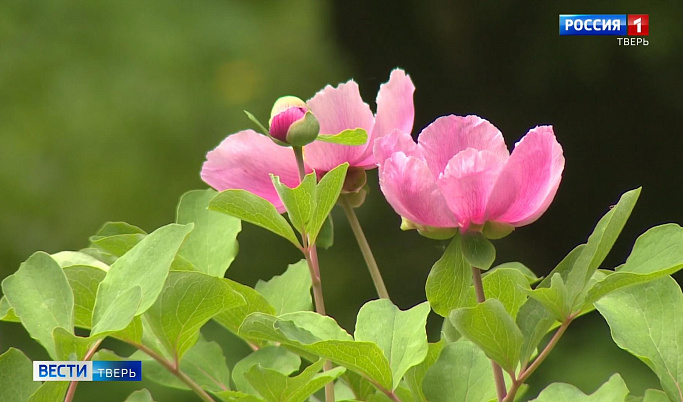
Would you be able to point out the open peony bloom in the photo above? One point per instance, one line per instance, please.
(246, 159)
(461, 175)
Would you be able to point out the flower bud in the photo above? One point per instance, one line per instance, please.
(292, 123)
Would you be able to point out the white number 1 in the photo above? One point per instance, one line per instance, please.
(637, 22)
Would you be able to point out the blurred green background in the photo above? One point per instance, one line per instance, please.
(107, 110)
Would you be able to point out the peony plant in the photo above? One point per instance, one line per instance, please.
(458, 184)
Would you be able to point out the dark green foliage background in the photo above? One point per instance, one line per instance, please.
(108, 108)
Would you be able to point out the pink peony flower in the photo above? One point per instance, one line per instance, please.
(460, 174)
(246, 159)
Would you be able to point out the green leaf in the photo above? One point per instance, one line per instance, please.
(117, 245)
(212, 245)
(462, 373)
(416, 374)
(326, 195)
(401, 335)
(7, 312)
(69, 346)
(67, 259)
(299, 201)
(141, 395)
(255, 303)
(491, 328)
(290, 291)
(253, 209)
(235, 396)
(614, 390)
(274, 386)
(449, 281)
(186, 302)
(599, 244)
(118, 228)
(555, 298)
(271, 357)
(508, 285)
(365, 358)
(144, 268)
(84, 281)
(204, 363)
(529, 274)
(50, 391)
(647, 321)
(656, 253)
(16, 376)
(356, 136)
(325, 238)
(478, 250)
(360, 386)
(41, 297)
(533, 318)
(654, 395)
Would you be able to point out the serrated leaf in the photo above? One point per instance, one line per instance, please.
(416, 374)
(401, 335)
(16, 376)
(186, 302)
(290, 291)
(477, 250)
(656, 253)
(255, 303)
(253, 209)
(212, 245)
(141, 395)
(204, 363)
(299, 201)
(449, 281)
(356, 136)
(274, 386)
(647, 321)
(41, 297)
(326, 195)
(145, 267)
(491, 328)
(554, 298)
(599, 244)
(614, 390)
(462, 373)
(271, 357)
(365, 358)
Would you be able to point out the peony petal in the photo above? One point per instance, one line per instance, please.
(396, 141)
(411, 190)
(245, 160)
(448, 135)
(338, 109)
(467, 182)
(395, 111)
(529, 181)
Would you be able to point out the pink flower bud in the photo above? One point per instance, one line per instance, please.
(292, 123)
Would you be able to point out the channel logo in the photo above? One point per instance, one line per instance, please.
(98, 370)
(605, 24)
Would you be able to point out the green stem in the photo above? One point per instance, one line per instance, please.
(311, 254)
(497, 370)
(175, 370)
(364, 247)
(537, 362)
(72, 386)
